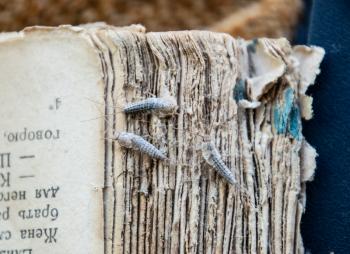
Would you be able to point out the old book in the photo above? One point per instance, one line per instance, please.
(67, 185)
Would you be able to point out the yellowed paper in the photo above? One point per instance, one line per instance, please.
(51, 157)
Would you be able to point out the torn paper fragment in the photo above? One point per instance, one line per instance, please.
(309, 59)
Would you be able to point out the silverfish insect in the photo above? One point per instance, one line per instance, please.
(166, 106)
(212, 156)
(138, 143)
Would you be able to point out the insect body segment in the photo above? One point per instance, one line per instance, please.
(212, 156)
(166, 106)
(138, 143)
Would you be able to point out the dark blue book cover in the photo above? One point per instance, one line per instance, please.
(326, 223)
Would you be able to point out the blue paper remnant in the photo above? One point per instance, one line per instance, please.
(239, 90)
(287, 115)
(294, 126)
(251, 47)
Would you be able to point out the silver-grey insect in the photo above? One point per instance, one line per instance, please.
(212, 156)
(165, 106)
(138, 143)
